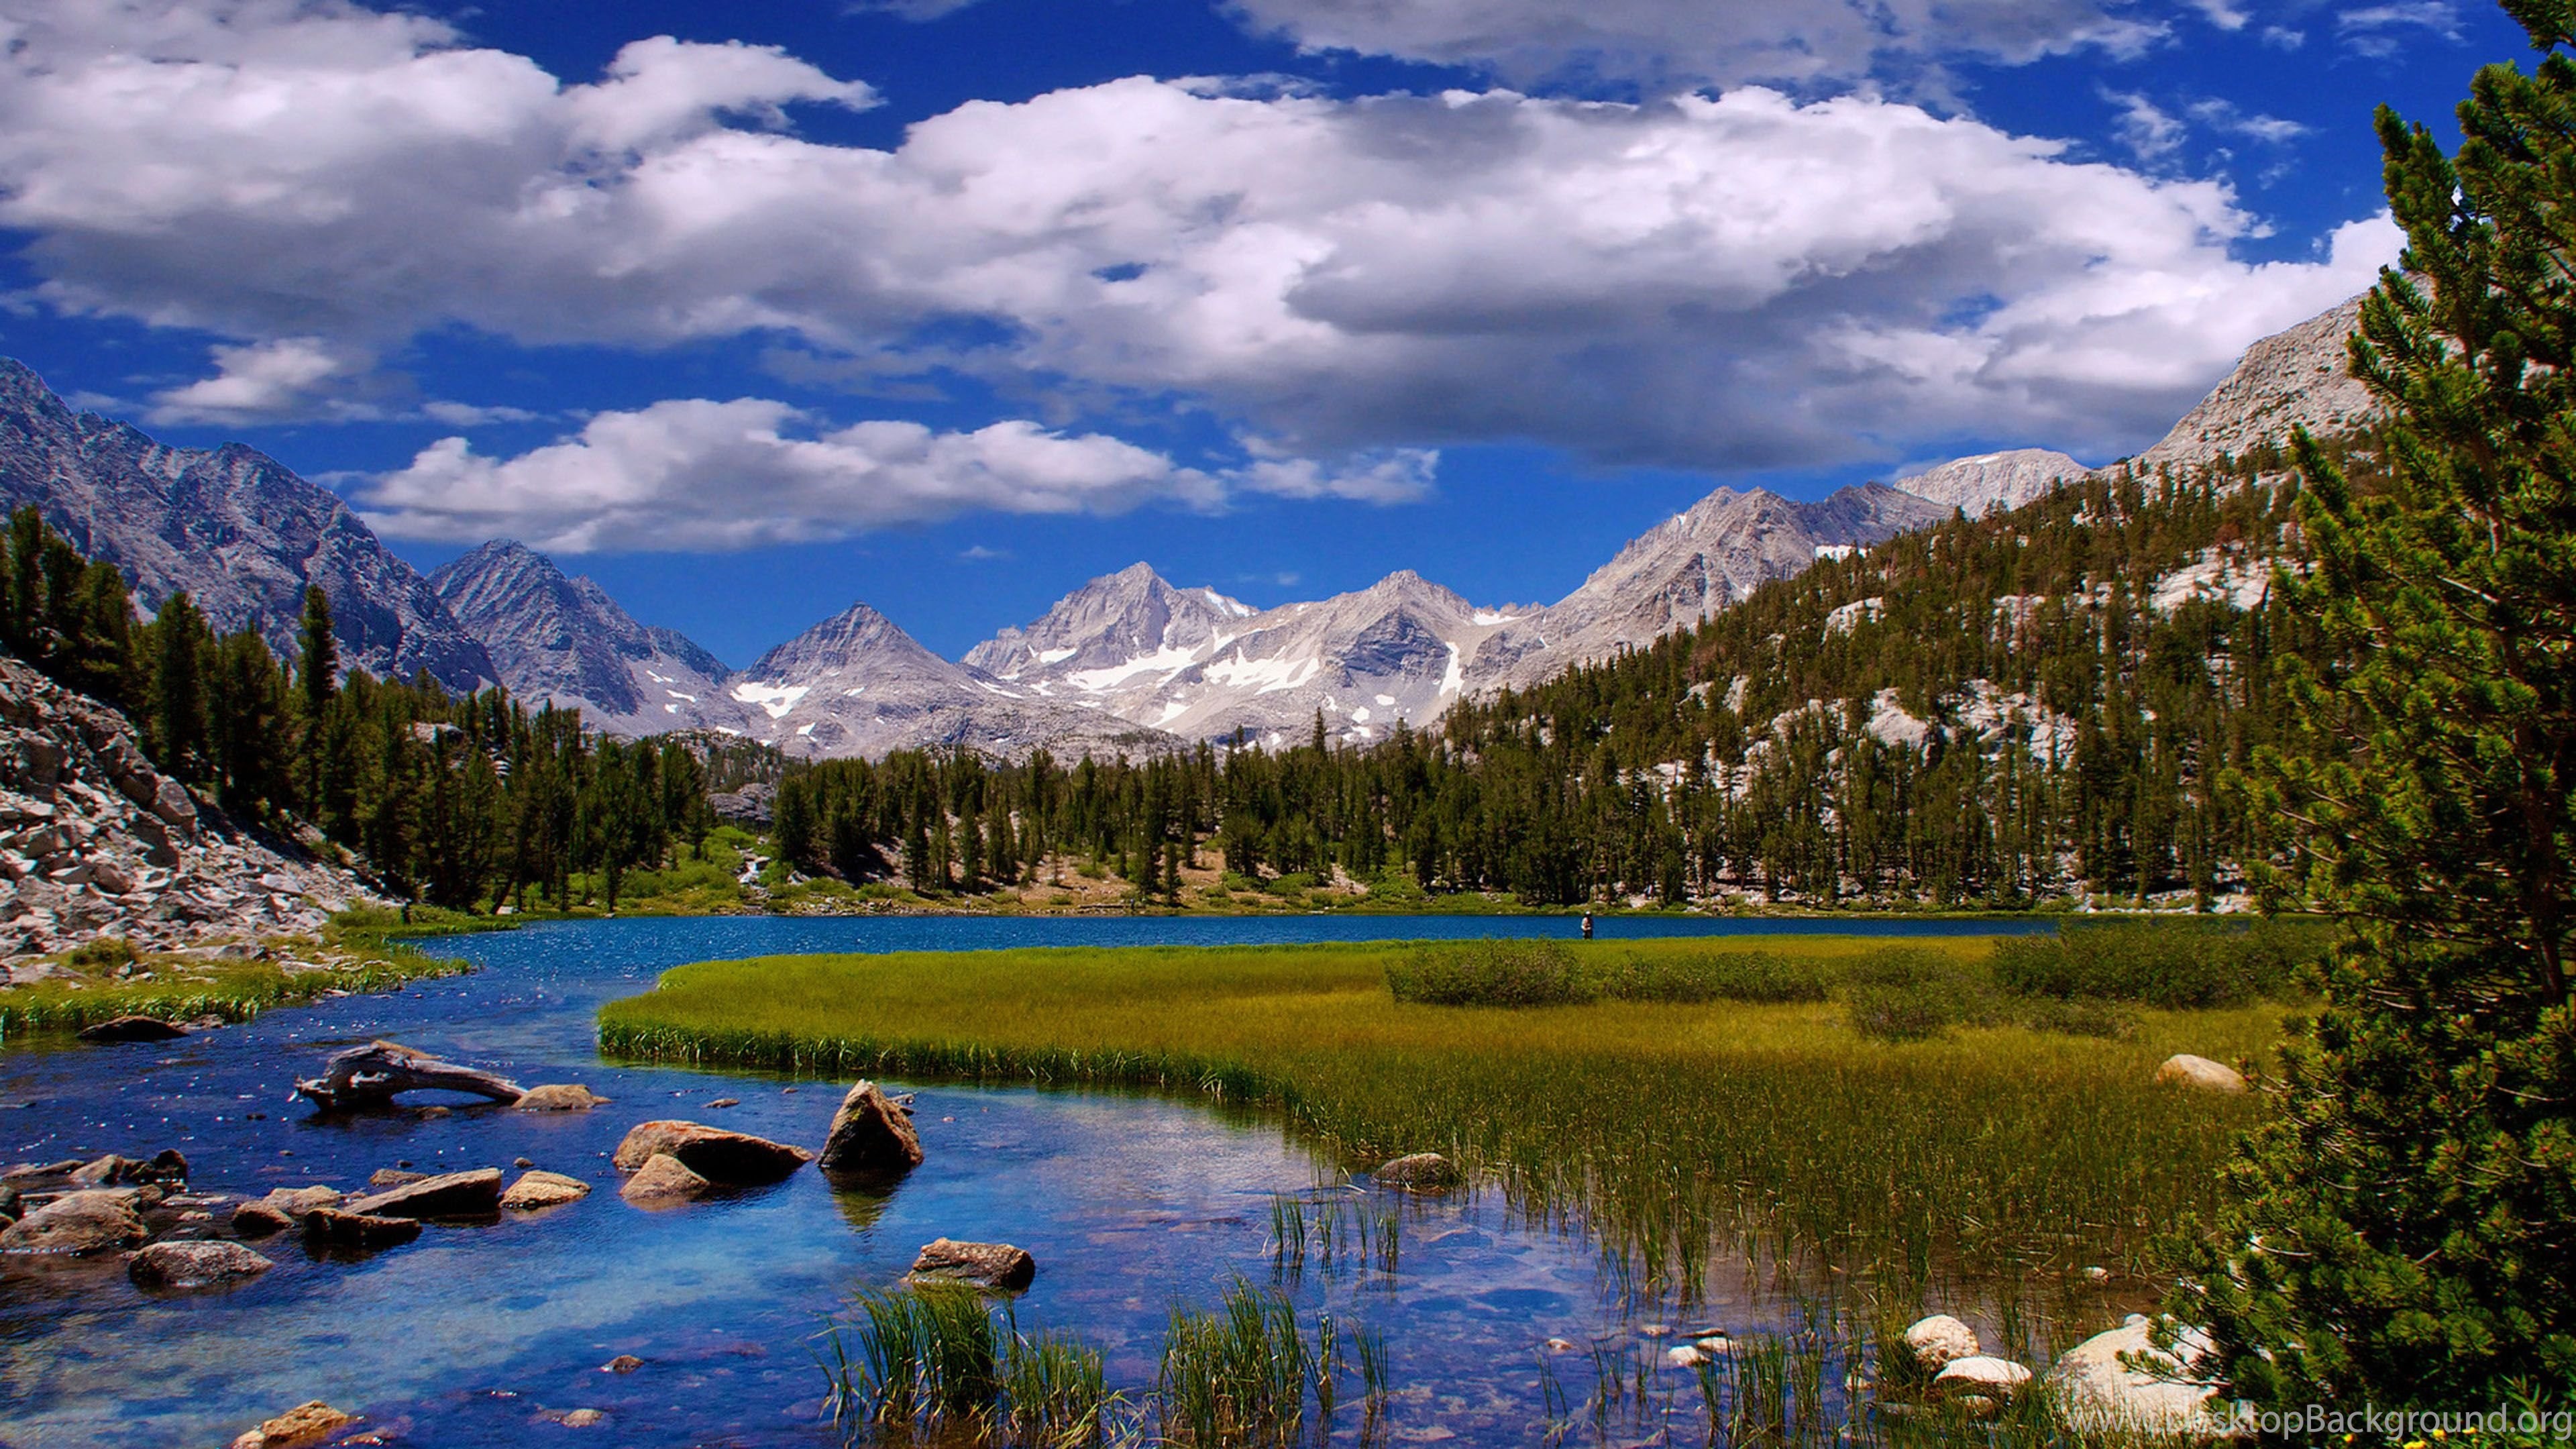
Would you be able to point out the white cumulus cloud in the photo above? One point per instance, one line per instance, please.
(277, 380)
(1717, 282)
(698, 474)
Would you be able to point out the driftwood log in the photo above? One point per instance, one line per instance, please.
(374, 1074)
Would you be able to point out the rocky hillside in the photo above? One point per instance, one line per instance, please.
(563, 640)
(857, 685)
(95, 842)
(235, 528)
(1991, 482)
(2295, 379)
(1689, 567)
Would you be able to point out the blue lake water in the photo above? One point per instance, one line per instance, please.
(487, 1335)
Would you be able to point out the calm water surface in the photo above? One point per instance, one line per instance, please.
(476, 1335)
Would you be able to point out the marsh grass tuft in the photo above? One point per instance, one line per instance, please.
(1244, 1373)
(932, 1361)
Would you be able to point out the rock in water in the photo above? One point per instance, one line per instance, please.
(986, 1265)
(871, 1134)
(559, 1097)
(333, 1228)
(2185, 1070)
(1998, 1379)
(194, 1265)
(448, 1195)
(132, 1028)
(283, 1208)
(2096, 1393)
(544, 1189)
(663, 1181)
(736, 1159)
(1420, 1172)
(78, 1222)
(1936, 1342)
(308, 1423)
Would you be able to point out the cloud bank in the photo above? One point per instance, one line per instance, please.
(1712, 282)
(696, 474)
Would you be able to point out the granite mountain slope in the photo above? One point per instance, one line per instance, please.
(235, 528)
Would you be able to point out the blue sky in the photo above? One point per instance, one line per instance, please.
(752, 310)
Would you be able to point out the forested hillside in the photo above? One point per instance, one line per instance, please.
(2033, 706)
(459, 801)
(2030, 707)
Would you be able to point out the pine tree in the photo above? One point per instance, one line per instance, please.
(179, 695)
(318, 676)
(2404, 1229)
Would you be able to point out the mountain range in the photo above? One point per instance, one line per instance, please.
(1127, 662)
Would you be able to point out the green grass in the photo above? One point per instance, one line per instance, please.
(356, 948)
(1681, 1133)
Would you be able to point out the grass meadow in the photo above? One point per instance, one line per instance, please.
(1975, 1161)
(105, 978)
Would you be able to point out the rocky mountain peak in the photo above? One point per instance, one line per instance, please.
(1108, 622)
(564, 640)
(1991, 482)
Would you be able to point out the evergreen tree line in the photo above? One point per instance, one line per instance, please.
(1990, 712)
(458, 801)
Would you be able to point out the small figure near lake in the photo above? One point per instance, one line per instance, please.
(1587, 925)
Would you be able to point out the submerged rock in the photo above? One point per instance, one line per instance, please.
(736, 1159)
(283, 1208)
(1936, 1342)
(194, 1265)
(663, 1181)
(448, 1195)
(166, 1166)
(132, 1028)
(306, 1423)
(335, 1228)
(1418, 1172)
(871, 1133)
(986, 1265)
(558, 1097)
(2185, 1070)
(543, 1189)
(80, 1222)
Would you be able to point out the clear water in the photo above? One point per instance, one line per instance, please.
(474, 1335)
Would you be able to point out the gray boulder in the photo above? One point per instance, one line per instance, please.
(871, 1133)
(448, 1195)
(735, 1159)
(2185, 1070)
(1418, 1172)
(559, 1097)
(986, 1265)
(663, 1181)
(79, 1222)
(194, 1265)
(2119, 1382)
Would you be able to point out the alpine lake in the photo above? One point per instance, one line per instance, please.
(493, 1332)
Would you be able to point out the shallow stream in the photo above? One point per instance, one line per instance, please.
(488, 1335)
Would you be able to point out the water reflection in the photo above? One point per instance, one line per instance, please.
(485, 1333)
